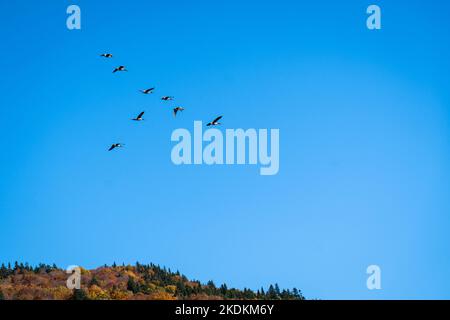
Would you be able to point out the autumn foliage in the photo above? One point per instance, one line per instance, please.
(138, 282)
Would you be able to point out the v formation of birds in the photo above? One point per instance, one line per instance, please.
(139, 117)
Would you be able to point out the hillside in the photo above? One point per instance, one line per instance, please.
(138, 282)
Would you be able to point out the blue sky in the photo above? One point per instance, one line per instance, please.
(364, 141)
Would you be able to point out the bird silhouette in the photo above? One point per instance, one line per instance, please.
(215, 122)
(147, 91)
(176, 109)
(167, 98)
(115, 145)
(106, 55)
(139, 117)
(119, 68)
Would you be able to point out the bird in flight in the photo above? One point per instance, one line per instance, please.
(106, 55)
(215, 122)
(139, 117)
(147, 91)
(120, 68)
(176, 109)
(167, 98)
(115, 145)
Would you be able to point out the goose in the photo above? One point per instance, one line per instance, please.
(115, 145)
(120, 68)
(215, 122)
(139, 117)
(106, 55)
(176, 109)
(167, 98)
(147, 91)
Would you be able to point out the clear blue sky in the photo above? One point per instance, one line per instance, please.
(364, 141)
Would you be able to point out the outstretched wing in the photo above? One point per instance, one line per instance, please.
(141, 114)
(217, 119)
(112, 147)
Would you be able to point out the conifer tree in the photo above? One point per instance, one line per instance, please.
(94, 281)
(132, 285)
(79, 294)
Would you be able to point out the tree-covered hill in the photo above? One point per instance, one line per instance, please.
(126, 282)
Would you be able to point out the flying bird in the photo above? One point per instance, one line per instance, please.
(139, 117)
(147, 91)
(215, 122)
(106, 55)
(120, 68)
(167, 98)
(176, 109)
(115, 145)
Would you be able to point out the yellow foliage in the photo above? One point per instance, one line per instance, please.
(97, 293)
(171, 289)
(120, 295)
(130, 274)
(162, 296)
(152, 287)
(61, 293)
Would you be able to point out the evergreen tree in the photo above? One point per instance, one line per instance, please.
(139, 268)
(132, 285)
(277, 289)
(79, 294)
(181, 290)
(3, 271)
(271, 293)
(223, 289)
(94, 281)
(263, 294)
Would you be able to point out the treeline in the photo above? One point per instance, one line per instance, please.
(153, 273)
(141, 281)
(7, 270)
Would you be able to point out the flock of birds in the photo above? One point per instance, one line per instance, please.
(139, 117)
